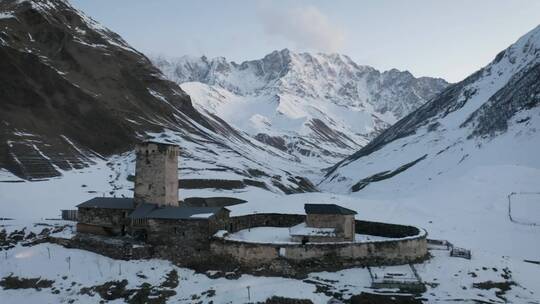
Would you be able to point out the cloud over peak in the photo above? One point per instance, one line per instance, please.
(304, 26)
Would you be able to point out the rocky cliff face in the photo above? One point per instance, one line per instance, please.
(322, 106)
(496, 105)
(72, 89)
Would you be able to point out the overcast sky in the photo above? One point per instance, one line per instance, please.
(448, 39)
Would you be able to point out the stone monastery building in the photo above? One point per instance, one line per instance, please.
(154, 223)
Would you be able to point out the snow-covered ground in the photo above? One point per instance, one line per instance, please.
(525, 208)
(466, 204)
(281, 235)
(72, 270)
(88, 269)
(44, 199)
(470, 210)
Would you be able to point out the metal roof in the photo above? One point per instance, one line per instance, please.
(108, 203)
(327, 209)
(142, 210)
(146, 210)
(170, 212)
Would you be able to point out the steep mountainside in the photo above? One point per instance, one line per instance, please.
(319, 108)
(67, 82)
(491, 118)
(73, 92)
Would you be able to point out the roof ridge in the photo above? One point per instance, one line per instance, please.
(327, 208)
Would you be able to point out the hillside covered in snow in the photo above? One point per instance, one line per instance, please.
(490, 118)
(322, 106)
(465, 165)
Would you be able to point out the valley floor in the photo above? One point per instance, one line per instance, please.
(84, 277)
(471, 211)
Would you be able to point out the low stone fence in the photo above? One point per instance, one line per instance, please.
(107, 246)
(408, 244)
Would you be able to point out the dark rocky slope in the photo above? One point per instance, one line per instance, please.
(72, 91)
(69, 88)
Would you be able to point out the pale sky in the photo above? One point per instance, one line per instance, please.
(449, 39)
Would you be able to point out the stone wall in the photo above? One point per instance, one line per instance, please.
(93, 229)
(116, 248)
(192, 243)
(385, 229)
(408, 247)
(185, 241)
(395, 252)
(319, 239)
(103, 221)
(156, 174)
(211, 201)
(180, 241)
(344, 224)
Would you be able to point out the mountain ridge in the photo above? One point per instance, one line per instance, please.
(323, 103)
(476, 110)
(75, 93)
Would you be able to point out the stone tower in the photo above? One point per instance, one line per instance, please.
(156, 174)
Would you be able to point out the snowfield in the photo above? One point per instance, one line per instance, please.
(524, 208)
(281, 235)
(468, 208)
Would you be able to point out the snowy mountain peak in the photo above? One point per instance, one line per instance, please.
(321, 106)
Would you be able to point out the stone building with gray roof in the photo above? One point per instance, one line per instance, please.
(197, 233)
(325, 223)
(154, 215)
